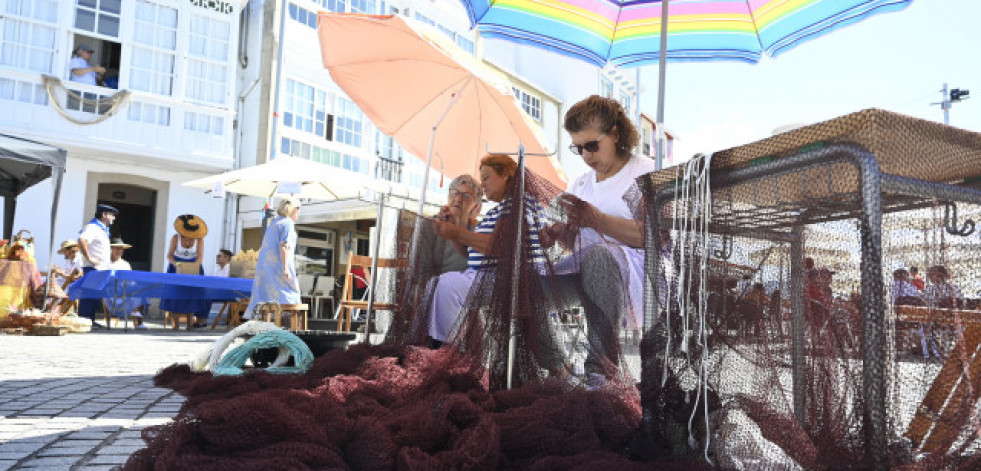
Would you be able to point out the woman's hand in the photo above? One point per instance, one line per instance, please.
(287, 276)
(447, 230)
(580, 213)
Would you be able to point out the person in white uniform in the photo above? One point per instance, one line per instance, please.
(607, 262)
(93, 242)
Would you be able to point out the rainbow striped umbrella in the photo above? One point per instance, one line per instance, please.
(627, 33)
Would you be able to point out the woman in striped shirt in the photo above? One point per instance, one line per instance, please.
(496, 179)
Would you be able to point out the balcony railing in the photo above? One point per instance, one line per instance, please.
(389, 169)
(126, 122)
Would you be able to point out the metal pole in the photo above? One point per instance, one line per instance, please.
(662, 62)
(518, 246)
(373, 276)
(945, 104)
(432, 142)
(279, 78)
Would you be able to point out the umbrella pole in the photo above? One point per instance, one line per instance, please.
(373, 276)
(429, 155)
(662, 62)
(515, 279)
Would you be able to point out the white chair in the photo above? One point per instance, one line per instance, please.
(323, 290)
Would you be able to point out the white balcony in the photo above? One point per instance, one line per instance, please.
(142, 128)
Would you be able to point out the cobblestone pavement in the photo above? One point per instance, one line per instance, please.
(80, 401)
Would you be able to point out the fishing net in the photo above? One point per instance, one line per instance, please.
(531, 322)
(783, 327)
(776, 331)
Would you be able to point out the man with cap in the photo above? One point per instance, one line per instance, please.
(82, 71)
(120, 307)
(70, 267)
(93, 242)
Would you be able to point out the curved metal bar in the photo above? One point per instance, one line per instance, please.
(950, 221)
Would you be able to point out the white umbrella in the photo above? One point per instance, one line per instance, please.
(287, 175)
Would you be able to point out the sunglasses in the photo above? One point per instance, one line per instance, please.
(591, 146)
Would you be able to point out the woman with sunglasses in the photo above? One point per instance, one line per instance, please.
(608, 257)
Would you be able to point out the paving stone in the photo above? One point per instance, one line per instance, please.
(7, 464)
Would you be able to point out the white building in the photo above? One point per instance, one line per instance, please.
(165, 115)
(312, 118)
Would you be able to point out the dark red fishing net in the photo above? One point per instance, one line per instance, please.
(401, 405)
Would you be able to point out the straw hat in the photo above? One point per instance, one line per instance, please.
(190, 226)
(118, 242)
(67, 245)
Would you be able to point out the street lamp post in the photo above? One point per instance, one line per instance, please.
(949, 98)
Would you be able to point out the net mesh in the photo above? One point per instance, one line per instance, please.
(776, 330)
(782, 306)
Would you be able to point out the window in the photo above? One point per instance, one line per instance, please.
(465, 43)
(531, 104)
(305, 108)
(337, 6)
(303, 16)
(363, 6)
(147, 113)
(606, 87)
(207, 72)
(425, 19)
(15, 90)
(325, 156)
(153, 54)
(98, 16)
(348, 123)
(204, 123)
(626, 101)
(27, 34)
(386, 147)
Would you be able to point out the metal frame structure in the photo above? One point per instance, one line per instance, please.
(773, 218)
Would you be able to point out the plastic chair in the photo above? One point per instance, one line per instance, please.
(348, 304)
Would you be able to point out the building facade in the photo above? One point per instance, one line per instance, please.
(162, 113)
(309, 116)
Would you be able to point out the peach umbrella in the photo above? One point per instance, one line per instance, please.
(435, 99)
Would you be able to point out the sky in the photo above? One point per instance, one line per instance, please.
(896, 61)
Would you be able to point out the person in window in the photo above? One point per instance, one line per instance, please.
(81, 70)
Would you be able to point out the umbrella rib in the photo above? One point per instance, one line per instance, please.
(466, 78)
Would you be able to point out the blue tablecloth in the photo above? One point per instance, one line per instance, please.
(143, 284)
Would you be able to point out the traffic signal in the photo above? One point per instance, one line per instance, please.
(956, 94)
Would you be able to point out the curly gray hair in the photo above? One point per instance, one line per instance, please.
(478, 192)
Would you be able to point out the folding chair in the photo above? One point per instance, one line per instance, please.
(348, 304)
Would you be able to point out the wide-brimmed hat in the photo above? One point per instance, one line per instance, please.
(190, 226)
(118, 242)
(66, 245)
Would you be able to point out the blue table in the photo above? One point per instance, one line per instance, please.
(122, 284)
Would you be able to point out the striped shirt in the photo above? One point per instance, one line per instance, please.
(534, 222)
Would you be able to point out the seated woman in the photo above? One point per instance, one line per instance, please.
(941, 292)
(496, 178)
(130, 306)
(608, 259)
(462, 209)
